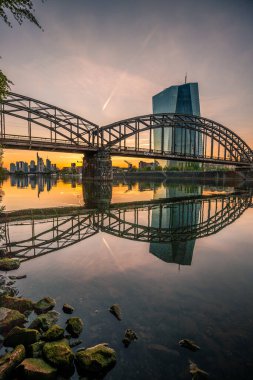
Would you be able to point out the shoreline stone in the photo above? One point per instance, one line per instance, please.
(8, 264)
(15, 303)
(19, 335)
(45, 321)
(98, 359)
(10, 318)
(74, 326)
(44, 305)
(10, 361)
(55, 332)
(36, 369)
(59, 355)
(68, 309)
(116, 311)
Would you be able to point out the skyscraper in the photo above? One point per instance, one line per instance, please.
(182, 99)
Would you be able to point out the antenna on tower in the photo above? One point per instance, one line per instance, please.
(185, 78)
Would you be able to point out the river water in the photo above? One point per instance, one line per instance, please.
(178, 268)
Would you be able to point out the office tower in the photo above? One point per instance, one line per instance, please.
(182, 99)
(40, 164)
(48, 165)
(178, 217)
(12, 168)
(32, 166)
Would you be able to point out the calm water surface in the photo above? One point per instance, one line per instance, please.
(168, 288)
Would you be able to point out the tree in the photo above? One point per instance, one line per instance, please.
(21, 10)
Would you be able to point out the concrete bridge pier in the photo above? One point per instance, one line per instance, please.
(97, 194)
(97, 166)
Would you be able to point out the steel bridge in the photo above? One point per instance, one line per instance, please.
(29, 234)
(24, 120)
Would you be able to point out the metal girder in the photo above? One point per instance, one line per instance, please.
(60, 228)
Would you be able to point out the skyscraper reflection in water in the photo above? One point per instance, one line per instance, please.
(181, 215)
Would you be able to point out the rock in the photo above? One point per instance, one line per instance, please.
(45, 321)
(75, 342)
(17, 277)
(59, 355)
(55, 332)
(19, 335)
(10, 361)
(20, 304)
(8, 291)
(35, 349)
(10, 318)
(74, 326)
(67, 309)
(10, 283)
(97, 359)
(9, 264)
(36, 369)
(2, 280)
(187, 343)
(196, 372)
(115, 310)
(44, 305)
(129, 337)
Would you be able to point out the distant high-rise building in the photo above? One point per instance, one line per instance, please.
(32, 166)
(40, 164)
(12, 168)
(182, 99)
(48, 165)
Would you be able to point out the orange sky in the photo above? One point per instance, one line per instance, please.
(60, 158)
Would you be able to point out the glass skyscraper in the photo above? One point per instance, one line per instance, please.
(182, 99)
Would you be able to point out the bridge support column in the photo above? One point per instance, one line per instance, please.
(97, 194)
(97, 166)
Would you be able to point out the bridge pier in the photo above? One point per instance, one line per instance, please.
(97, 194)
(97, 166)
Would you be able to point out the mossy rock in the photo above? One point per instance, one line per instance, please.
(74, 326)
(15, 303)
(10, 361)
(19, 335)
(54, 333)
(36, 369)
(10, 318)
(97, 359)
(59, 355)
(45, 321)
(9, 264)
(44, 305)
(35, 349)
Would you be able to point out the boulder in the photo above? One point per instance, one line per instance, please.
(18, 277)
(9, 264)
(8, 291)
(10, 361)
(55, 332)
(20, 304)
(44, 305)
(74, 326)
(67, 309)
(98, 359)
(116, 311)
(196, 372)
(10, 318)
(45, 321)
(187, 343)
(59, 355)
(19, 335)
(129, 337)
(35, 349)
(36, 369)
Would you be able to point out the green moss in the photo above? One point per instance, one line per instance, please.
(44, 305)
(74, 326)
(20, 304)
(45, 321)
(10, 361)
(99, 358)
(54, 333)
(59, 354)
(9, 264)
(19, 335)
(10, 318)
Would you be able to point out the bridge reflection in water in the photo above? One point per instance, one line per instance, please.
(171, 226)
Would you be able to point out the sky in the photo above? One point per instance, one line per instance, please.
(104, 60)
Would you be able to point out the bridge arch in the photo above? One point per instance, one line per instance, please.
(63, 126)
(219, 143)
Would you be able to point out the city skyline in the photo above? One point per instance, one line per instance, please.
(101, 69)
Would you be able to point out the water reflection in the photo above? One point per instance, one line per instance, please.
(170, 225)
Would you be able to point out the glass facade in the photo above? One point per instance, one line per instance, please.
(183, 99)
